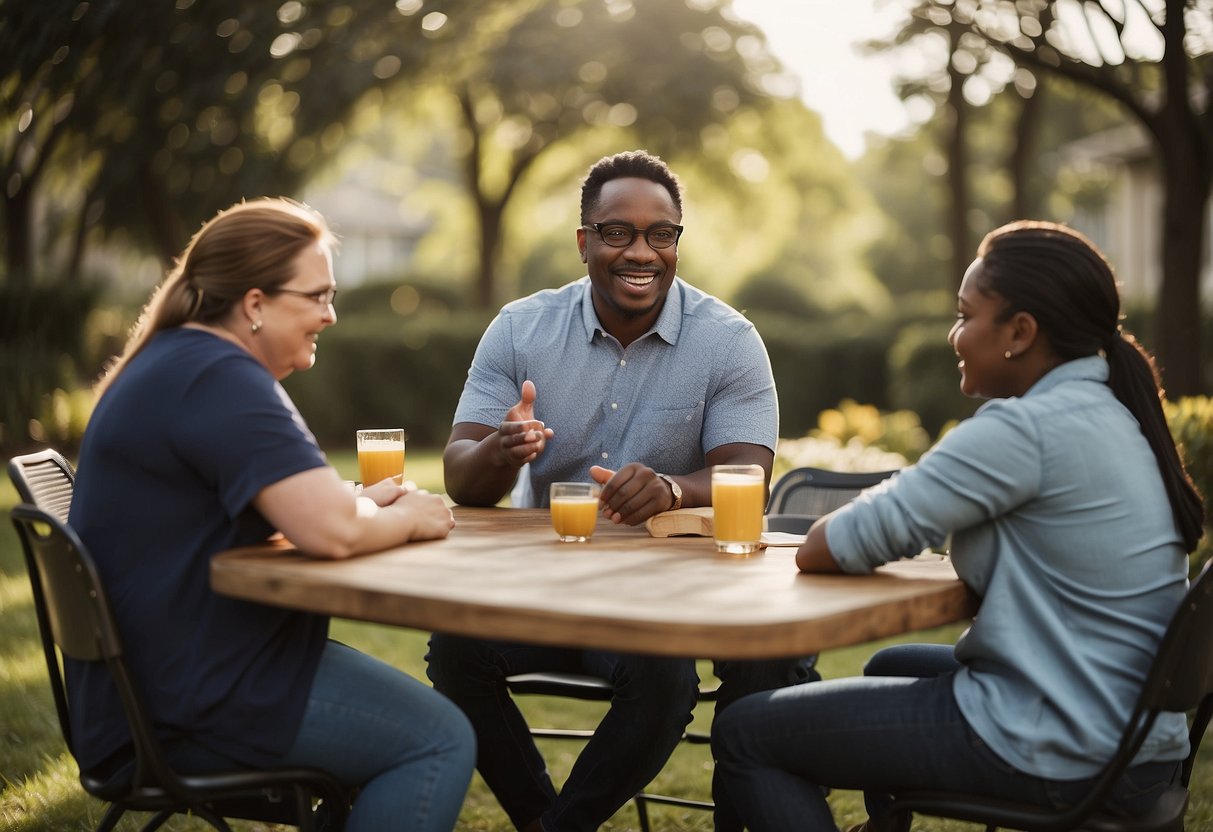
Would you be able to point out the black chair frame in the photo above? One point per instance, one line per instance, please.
(45, 479)
(805, 494)
(74, 616)
(1180, 680)
(593, 689)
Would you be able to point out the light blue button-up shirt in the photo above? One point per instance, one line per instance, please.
(1061, 522)
(699, 379)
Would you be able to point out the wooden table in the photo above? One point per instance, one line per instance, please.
(502, 574)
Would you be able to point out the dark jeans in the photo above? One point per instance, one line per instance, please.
(880, 734)
(651, 707)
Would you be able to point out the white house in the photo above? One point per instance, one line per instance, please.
(1127, 226)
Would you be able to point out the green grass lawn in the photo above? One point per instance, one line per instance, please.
(41, 793)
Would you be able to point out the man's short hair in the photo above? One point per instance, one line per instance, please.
(631, 163)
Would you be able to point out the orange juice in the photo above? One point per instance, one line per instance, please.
(380, 459)
(574, 517)
(737, 504)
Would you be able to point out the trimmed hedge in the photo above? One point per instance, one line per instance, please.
(42, 337)
(388, 373)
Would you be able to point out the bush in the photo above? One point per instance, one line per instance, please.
(42, 346)
(1191, 423)
(818, 364)
(388, 372)
(922, 366)
(899, 432)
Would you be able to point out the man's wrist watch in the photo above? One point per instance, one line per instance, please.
(675, 489)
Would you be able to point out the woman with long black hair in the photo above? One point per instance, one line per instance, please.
(1070, 514)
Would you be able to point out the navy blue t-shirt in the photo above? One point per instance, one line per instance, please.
(178, 446)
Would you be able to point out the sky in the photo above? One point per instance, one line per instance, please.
(818, 41)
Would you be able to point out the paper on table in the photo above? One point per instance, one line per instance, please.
(782, 539)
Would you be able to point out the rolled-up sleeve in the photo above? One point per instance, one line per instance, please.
(982, 469)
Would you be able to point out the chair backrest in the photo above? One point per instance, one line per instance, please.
(45, 479)
(74, 614)
(815, 491)
(1181, 678)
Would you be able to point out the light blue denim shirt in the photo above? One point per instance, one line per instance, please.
(699, 379)
(1060, 521)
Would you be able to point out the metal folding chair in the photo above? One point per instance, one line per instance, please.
(593, 689)
(45, 479)
(75, 619)
(1180, 680)
(804, 494)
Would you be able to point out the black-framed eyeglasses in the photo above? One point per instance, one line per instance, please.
(324, 297)
(622, 234)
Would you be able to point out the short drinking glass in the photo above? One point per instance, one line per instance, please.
(381, 455)
(737, 503)
(574, 510)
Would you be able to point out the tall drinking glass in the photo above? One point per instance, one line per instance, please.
(737, 505)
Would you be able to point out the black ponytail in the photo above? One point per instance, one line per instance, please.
(1060, 278)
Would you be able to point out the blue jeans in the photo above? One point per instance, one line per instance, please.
(879, 734)
(410, 750)
(650, 709)
(739, 679)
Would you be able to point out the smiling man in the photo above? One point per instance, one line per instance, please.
(639, 380)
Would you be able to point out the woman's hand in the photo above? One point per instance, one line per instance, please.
(387, 492)
(430, 517)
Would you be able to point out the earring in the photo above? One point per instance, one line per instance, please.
(256, 327)
(1007, 355)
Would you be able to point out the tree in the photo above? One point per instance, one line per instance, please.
(1165, 81)
(538, 73)
(183, 108)
(143, 119)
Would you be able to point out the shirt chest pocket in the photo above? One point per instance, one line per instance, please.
(675, 418)
(674, 437)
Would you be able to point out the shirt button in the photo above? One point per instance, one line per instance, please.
(623, 362)
(614, 405)
(605, 455)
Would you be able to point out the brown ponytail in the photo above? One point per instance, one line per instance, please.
(248, 246)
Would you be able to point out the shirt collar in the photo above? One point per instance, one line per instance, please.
(668, 323)
(1087, 368)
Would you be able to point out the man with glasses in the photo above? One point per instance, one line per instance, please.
(637, 379)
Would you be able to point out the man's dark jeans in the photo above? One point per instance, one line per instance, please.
(652, 705)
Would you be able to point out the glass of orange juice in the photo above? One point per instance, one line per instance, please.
(381, 455)
(738, 499)
(574, 510)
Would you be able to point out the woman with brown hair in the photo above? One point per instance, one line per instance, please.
(194, 448)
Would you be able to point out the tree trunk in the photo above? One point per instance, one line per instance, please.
(958, 169)
(1185, 148)
(19, 237)
(489, 213)
(1187, 175)
(1023, 154)
(168, 236)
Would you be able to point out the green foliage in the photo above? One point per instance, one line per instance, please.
(42, 342)
(775, 293)
(922, 366)
(388, 372)
(1191, 423)
(817, 364)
